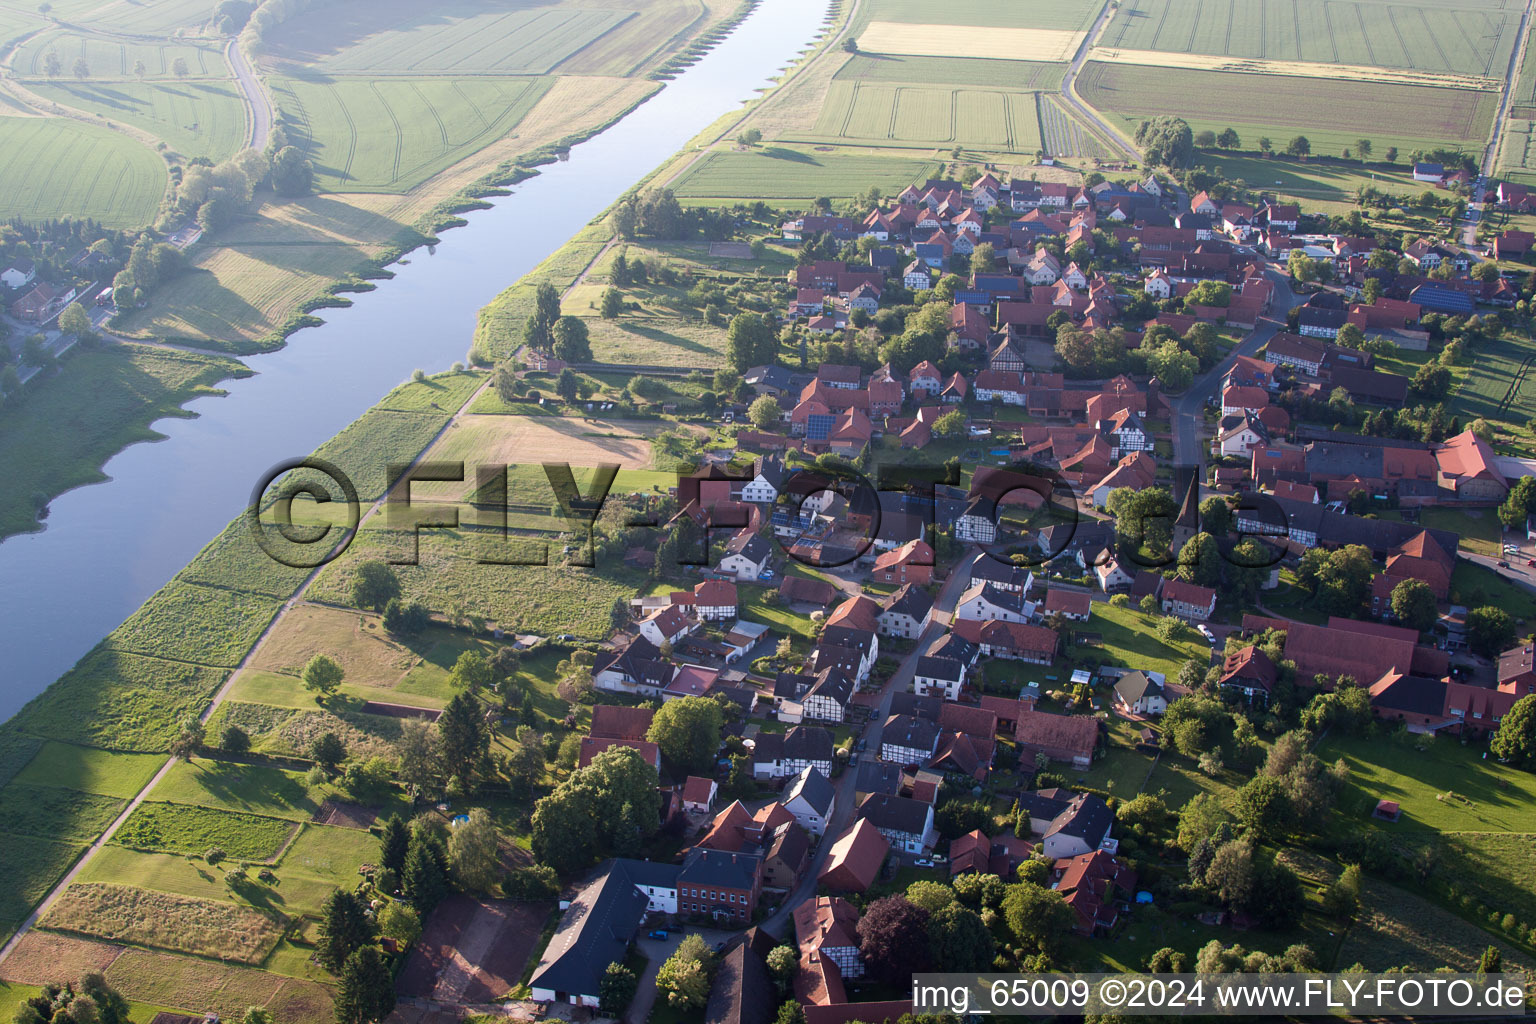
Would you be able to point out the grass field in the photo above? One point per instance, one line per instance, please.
(59, 432)
(181, 828)
(54, 813)
(246, 788)
(42, 957)
(292, 731)
(1331, 114)
(1499, 385)
(1315, 185)
(1474, 38)
(141, 17)
(391, 134)
(1399, 929)
(189, 622)
(781, 172)
(991, 74)
(951, 40)
(54, 167)
(194, 118)
(924, 117)
(1128, 641)
(165, 921)
(33, 866)
(89, 770)
(114, 57)
(354, 640)
(292, 894)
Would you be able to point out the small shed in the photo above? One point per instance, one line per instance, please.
(1387, 810)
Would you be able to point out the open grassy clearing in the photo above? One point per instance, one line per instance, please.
(1499, 385)
(441, 392)
(1312, 184)
(950, 40)
(63, 427)
(194, 118)
(42, 957)
(1474, 38)
(779, 172)
(124, 913)
(1128, 641)
(392, 134)
(292, 894)
(235, 561)
(894, 115)
(1494, 869)
(245, 788)
(1331, 114)
(1398, 929)
(120, 701)
(292, 731)
(330, 854)
(54, 813)
(90, 770)
(193, 623)
(194, 984)
(114, 57)
(354, 640)
(181, 828)
(1477, 586)
(283, 690)
(33, 866)
(56, 167)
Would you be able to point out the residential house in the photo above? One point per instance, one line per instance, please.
(720, 885)
(1140, 693)
(908, 740)
(827, 928)
(1468, 469)
(810, 798)
(854, 861)
(782, 756)
(20, 273)
(1188, 600)
(1075, 605)
(667, 625)
(969, 853)
(767, 481)
(699, 794)
(743, 992)
(714, 600)
(907, 823)
(912, 562)
(907, 612)
(1067, 738)
(789, 854)
(746, 556)
(1011, 640)
(983, 602)
(1069, 825)
(1249, 671)
(636, 667)
(1093, 884)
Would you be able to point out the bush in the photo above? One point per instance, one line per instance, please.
(214, 855)
(531, 883)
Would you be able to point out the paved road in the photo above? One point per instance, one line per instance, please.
(778, 923)
(1083, 110)
(258, 108)
(656, 952)
(1189, 408)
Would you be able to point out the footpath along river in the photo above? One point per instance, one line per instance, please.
(109, 546)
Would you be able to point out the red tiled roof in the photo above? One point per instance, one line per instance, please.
(611, 721)
(592, 746)
(854, 861)
(1068, 602)
(970, 852)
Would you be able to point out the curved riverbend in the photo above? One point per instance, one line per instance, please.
(109, 546)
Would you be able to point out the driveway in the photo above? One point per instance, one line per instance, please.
(657, 951)
(778, 922)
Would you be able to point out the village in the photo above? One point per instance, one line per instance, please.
(954, 637)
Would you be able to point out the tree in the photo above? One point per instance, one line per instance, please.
(1363, 147)
(416, 752)
(1266, 146)
(374, 585)
(765, 412)
(1515, 741)
(291, 174)
(1413, 602)
(616, 989)
(1198, 820)
(1216, 516)
(750, 341)
(1519, 504)
(234, 740)
(1342, 897)
(959, 941)
(688, 733)
(1166, 140)
(612, 303)
(471, 672)
(750, 137)
(1300, 146)
(539, 328)
(179, 67)
(1228, 139)
(399, 922)
(424, 878)
(473, 852)
(344, 928)
(1264, 807)
(893, 939)
(930, 896)
(75, 320)
(606, 808)
(52, 66)
(1491, 962)
(783, 962)
(328, 752)
(366, 992)
(322, 677)
(139, 70)
(81, 69)
(1037, 916)
(189, 741)
(1230, 876)
(684, 977)
(462, 738)
(1200, 560)
(1490, 631)
(951, 424)
(1205, 139)
(1391, 154)
(1143, 517)
(571, 340)
(394, 844)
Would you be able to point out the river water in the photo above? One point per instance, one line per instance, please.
(109, 546)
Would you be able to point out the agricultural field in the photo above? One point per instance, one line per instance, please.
(55, 167)
(977, 72)
(782, 173)
(1400, 929)
(1517, 152)
(111, 57)
(292, 731)
(391, 134)
(140, 17)
(924, 117)
(1329, 187)
(1061, 15)
(196, 624)
(194, 118)
(33, 866)
(189, 829)
(1331, 114)
(54, 813)
(90, 770)
(1474, 38)
(959, 40)
(195, 984)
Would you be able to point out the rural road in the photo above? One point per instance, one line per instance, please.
(258, 109)
(778, 922)
(1083, 110)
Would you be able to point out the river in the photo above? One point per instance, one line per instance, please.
(109, 546)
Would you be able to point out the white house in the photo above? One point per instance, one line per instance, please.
(976, 523)
(746, 556)
(1188, 600)
(1141, 693)
(811, 799)
(19, 274)
(984, 602)
(764, 487)
(784, 755)
(907, 612)
(1158, 285)
(906, 823)
(907, 739)
(667, 625)
(938, 676)
(1111, 575)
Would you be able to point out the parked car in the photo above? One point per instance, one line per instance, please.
(923, 862)
(1530, 561)
(657, 934)
(1503, 565)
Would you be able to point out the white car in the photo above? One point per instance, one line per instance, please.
(923, 862)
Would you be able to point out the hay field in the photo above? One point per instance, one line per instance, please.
(41, 957)
(1473, 37)
(990, 74)
(947, 40)
(392, 134)
(194, 118)
(141, 17)
(1331, 114)
(353, 639)
(179, 923)
(55, 167)
(1074, 15)
(1260, 66)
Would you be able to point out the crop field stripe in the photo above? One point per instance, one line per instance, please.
(1424, 20)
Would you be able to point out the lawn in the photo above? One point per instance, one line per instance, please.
(1476, 586)
(781, 172)
(329, 854)
(198, 985)
(249, 788)
(89, 770)
(54, 167)
(1447, 788)
(1309, 184)
(1129, 641)
(186, 924)
(1399, 929)
(193, 118)
(179, 828)
(1479, 529)
(1332, 114)
(391, 134)
(56, 436)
